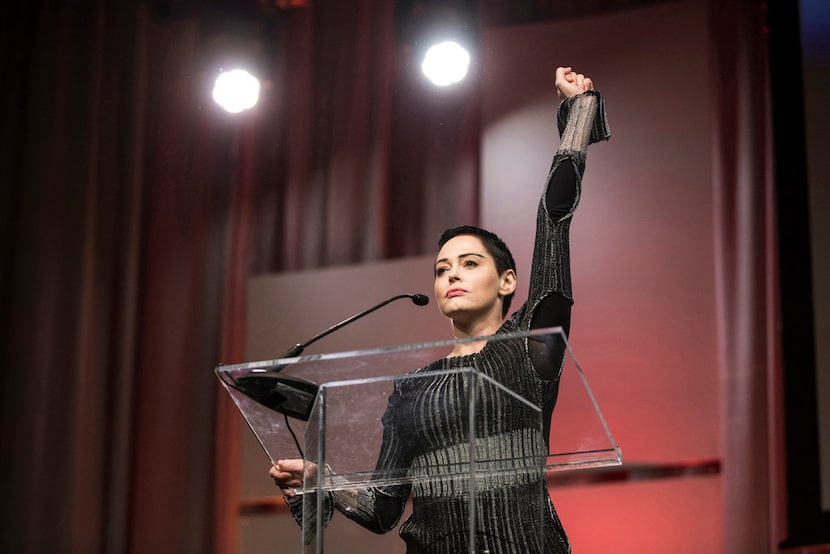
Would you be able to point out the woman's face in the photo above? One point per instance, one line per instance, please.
(467, 284)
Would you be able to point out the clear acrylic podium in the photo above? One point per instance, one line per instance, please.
(331, 409)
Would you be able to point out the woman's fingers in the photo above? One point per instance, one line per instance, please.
(290, 473)
(569, 83)
(287, 473)
(291, 466)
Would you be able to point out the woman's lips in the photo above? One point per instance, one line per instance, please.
(455, 292)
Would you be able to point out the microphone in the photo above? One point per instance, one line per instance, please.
(297, 349)
(291, 395)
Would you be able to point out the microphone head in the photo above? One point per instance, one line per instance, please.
(419, 299)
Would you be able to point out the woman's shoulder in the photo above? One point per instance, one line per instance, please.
(517, 321)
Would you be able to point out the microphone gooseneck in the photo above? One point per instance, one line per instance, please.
(417, 298)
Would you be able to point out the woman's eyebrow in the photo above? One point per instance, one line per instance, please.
(443, 260)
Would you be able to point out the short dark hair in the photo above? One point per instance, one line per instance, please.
(495, 247)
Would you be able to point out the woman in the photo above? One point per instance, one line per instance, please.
(475, 278)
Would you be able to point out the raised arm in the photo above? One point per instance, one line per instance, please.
(581, 121)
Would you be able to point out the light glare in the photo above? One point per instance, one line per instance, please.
(236, 90)
(446, 63)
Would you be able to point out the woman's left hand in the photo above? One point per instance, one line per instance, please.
(288, 474)
(570, 83)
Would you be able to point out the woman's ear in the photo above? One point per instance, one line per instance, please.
(508, 282)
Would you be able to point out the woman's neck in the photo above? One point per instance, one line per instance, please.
(483, 328)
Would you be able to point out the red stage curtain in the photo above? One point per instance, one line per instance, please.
(113, 269)
(746, 278)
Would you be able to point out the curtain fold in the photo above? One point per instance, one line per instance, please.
(184, 227)
(745, 278)
(113, 265)
(69, 282)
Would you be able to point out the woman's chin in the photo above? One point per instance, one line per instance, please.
(455, 309)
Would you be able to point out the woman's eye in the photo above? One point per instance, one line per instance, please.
(470, 263)
(440, 271)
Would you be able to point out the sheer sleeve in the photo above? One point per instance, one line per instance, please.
(378, 509)
(582, 121)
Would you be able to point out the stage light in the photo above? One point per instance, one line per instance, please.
(236, 90)
(446, 63)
